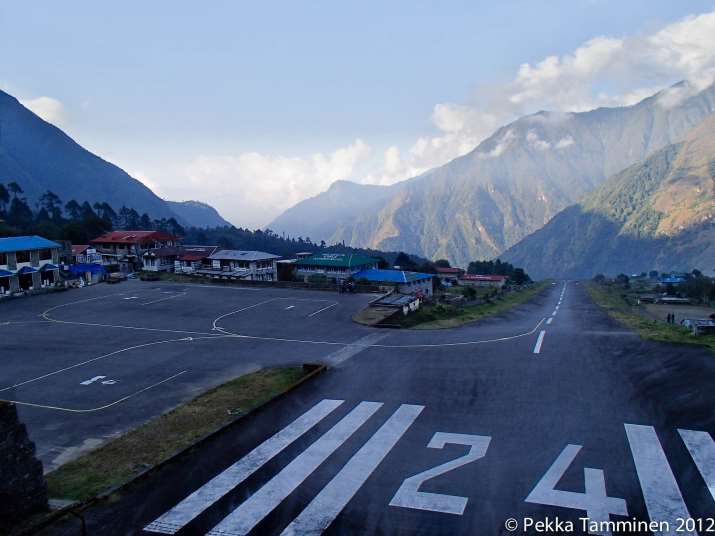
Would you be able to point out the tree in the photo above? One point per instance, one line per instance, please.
(599, 278)
(145, 222)
(52, 203)
(623, 280)
(4, 198)
(73, 209)
(404, 261)
(19, 214)
(519, 277)
(15, 189)
(442, 263)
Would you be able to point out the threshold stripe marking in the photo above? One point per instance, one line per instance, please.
(660, 489)
(539, 342)
(244, 518)
(201, 499)
(326, 506)
(702, 448)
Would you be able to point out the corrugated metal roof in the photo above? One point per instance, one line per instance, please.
(239, 255)
(24, 243)
(391, 276)
(132, 237)
(341, 260)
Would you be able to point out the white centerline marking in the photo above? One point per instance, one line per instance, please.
(539, 342)
(244, 518)
(702, 448)
(550, 320)
(660, 489)
(201, 499)
(326, 506)
(290, 307)
(321, 310)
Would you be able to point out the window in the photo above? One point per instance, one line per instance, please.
(45, 254)
(23, 256)
(3, 258)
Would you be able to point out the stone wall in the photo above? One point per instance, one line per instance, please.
(23, 490)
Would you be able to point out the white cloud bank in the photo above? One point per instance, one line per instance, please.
(48, 108)
(252, 188)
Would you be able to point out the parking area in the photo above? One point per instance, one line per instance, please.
(88, 364)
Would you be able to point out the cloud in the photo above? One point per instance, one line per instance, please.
(603, 71)
(567, 141)
(536, 142)
(49, 109)
(252, 188)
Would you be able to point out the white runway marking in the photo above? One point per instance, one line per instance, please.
(660, 489)
(290, 307)
(551, 319)
(90, 410)
(104, 356)
(201, 499)
(323, 309)
(539, 342)
(702, 448)
(325, 507)
(435, 345)
(244, 518)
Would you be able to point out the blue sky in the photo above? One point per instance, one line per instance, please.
(253, 106)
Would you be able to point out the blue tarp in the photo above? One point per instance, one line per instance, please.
(83, 268)
(49, 267)
(26, 270)
(5, 273)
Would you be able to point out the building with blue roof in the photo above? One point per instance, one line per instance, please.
(402, 281)
(28, 262)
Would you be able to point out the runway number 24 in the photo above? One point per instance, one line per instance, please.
(594, 501)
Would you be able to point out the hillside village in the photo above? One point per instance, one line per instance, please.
(32, 263)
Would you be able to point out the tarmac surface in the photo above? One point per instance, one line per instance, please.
(552, 412)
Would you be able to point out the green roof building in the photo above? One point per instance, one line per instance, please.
(337, 266)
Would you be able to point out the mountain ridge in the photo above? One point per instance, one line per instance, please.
(40, 156)
(659, 214)
(480, 204)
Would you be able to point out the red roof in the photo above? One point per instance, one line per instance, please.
(450, 271)
(132, 237)
(477, 277)
(79, 249)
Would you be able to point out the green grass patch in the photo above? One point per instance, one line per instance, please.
(624, 308)
(123, 458)
(443, 316)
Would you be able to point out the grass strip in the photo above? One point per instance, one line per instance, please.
(443, 316)
(616, 304)
(123, 458)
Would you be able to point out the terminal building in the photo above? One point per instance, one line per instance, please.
(333, 266)
(28, 262)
